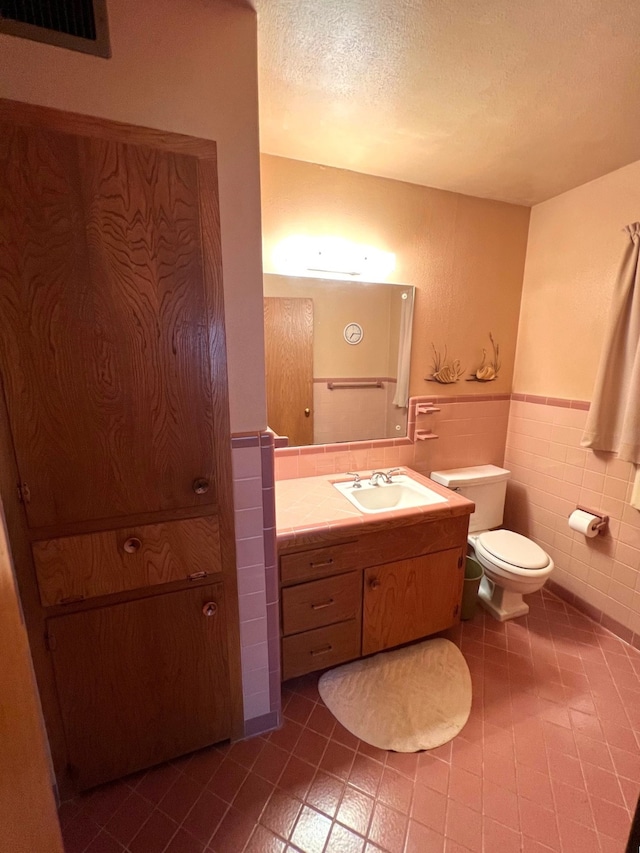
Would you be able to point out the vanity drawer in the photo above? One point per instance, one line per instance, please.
(324, 602)
(319, 563)
(320, 648)
(73, 568)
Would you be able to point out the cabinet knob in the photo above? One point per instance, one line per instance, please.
(375, 583)
(307, 412)
(132, 545)
(200, 486)
(210, 608)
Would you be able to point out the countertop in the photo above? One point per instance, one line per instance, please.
(309, 508)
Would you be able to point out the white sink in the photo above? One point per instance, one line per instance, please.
(402, 493)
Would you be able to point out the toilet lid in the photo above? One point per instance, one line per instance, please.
(514, 549)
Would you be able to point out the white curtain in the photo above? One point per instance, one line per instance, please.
(613, 423)
(401, 398)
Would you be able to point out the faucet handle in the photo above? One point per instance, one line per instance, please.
(391, 472)
(356, 479)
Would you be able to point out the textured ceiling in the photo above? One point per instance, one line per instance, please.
(506, 99)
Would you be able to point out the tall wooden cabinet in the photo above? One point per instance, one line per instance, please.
(116, 436)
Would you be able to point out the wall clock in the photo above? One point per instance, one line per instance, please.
(353, 333)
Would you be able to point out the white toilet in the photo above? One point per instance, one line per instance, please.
(513, 565)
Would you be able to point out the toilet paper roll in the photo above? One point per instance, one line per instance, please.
(584, 523)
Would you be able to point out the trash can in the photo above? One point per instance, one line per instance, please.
(472, 578)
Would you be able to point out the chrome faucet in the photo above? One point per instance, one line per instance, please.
(356, 479)
(384, 475)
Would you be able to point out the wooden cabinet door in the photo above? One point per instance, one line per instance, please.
(409, 599)
(105, 341)
(141, 682)
(288, 324)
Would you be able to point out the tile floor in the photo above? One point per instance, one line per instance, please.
(549, 761)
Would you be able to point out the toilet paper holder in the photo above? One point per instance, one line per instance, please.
(602, 525)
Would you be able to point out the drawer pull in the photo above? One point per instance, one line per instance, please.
(320, 565)
(132, 545)
(196, 576)
(322, 650)
(323, 604)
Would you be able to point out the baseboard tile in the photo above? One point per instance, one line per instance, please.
(261, 725)
(594, 614)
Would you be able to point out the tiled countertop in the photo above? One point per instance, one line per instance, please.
(309, 508)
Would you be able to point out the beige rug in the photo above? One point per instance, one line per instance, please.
(406, 700)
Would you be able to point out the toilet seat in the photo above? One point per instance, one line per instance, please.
(513, 553)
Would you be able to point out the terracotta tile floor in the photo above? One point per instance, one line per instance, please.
(549, 761)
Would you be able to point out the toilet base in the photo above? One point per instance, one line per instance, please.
(501, 603)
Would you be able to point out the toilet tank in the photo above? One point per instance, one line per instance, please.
(485, 485)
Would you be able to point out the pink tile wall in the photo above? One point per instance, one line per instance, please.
(470, 430)
(396, 417)
(267, 447)
(362, 413)
(551, 473)
(252, 464)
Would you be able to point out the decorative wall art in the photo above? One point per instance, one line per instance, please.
(445, 372)
(488, 370)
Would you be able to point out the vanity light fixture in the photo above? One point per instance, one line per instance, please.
(332, 257)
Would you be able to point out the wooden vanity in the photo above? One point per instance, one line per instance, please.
(353, 584)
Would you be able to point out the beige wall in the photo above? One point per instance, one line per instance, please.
(575, 246)
(188, 67)
(28, 821)
(335, 304)
(464, 255)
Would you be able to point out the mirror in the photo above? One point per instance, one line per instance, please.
(337, 359)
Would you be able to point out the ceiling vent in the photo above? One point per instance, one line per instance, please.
(74, 24)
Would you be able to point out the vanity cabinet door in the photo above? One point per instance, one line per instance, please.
(410, 599)
(141, 682)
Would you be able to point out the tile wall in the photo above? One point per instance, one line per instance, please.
(551, 473)
(470, 430)
(336, 418)
(253, 486)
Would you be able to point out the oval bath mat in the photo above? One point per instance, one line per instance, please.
(410, 699)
